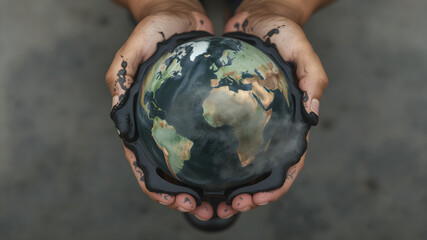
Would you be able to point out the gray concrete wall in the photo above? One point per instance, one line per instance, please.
(63, 174)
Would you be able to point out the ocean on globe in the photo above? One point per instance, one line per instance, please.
(214, 113)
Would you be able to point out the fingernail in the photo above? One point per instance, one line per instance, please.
(229, 216)
(181, 209)
(163, 203)
(115, 100)
(245, 209)
(315, 104)
(201, 219)
(263, 204)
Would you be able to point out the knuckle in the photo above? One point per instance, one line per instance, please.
(324, 80)
(109, 77)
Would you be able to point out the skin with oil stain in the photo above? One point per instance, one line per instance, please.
(165, 196)
(271, 33)
(237, 26)
(245, 24)
(121, 80)
(311, 117)
(163, 35)
(291, 173)
(140, 173)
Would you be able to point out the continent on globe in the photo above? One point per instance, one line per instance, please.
(176, 148)
(240, 110)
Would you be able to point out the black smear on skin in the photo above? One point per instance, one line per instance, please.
(305, 96)
(311, 117)
(269, 42)
(121, 80)
(165, 197)
(186, 200)
(245, 24)
(291, 174)
(237, 26)
(202, 22)
(163, 35)
(141, 175)
(271, 33)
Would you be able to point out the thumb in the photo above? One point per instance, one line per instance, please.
(312, 81)
(121, 73)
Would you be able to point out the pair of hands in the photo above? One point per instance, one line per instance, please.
(161, 19)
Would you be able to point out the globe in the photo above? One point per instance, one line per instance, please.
(214, 113)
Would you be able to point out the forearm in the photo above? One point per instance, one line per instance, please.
(142, 8)
(297, 10)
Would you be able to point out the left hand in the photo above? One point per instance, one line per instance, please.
(158, 20)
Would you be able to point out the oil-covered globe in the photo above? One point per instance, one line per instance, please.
(214, 113)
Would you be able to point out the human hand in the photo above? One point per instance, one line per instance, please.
(279, 23)
(158, 20)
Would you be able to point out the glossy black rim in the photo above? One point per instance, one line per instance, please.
(123, 116)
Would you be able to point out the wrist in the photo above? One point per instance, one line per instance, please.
(143, 8)
(298, 11)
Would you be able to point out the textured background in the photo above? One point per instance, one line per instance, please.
(63, 174)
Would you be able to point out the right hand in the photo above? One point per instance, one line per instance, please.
(279, 22)
(159, 20)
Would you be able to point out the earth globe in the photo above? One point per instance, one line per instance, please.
(215, 113)
(213, 117)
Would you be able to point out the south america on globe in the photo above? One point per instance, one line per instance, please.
(215, 113)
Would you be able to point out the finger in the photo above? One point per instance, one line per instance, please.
(225, 211)
(121, 73)
(263, 198)
(162, 198)
(184, 203)
(237, 23)
(312, 80)
(243, 202)
(203, 212)
(293, 46)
